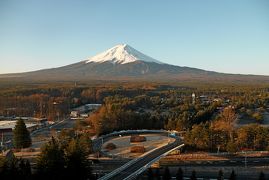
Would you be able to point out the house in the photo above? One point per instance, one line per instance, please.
(74, 114)
(42, 122)
(6, 136)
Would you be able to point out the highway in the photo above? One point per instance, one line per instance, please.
(125, 172)
(244, 167)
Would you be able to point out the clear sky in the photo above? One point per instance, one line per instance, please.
(222, 35)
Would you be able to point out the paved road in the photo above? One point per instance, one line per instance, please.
(97, 143)
(145, 160)
(66, 123)
(46, 131)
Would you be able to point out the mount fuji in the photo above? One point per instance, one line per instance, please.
(123, 62)
(121, 54)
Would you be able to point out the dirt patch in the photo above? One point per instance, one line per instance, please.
(137, 149)
(110, 146)
(137, 138)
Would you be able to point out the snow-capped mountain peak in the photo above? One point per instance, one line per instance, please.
(121, 54)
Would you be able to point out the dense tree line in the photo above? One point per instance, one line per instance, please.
(64, 157)
(122, 113)
(152, 174)
(221, 135)
(13, 168)
(145, 105)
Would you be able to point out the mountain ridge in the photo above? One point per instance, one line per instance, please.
(122, 62)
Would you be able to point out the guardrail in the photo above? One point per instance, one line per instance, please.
(107, 176)
(127, 132)
(99, 140)
(142, 169)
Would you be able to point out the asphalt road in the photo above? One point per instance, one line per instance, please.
(145, 160)
(66, 123)
(97, 143)
(46, 131)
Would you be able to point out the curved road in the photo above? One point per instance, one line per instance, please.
(128, 170)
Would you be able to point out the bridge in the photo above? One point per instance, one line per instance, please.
(137, 166)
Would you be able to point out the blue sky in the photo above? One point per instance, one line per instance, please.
(227, 36)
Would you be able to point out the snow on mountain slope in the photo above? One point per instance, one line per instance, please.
(121, 54)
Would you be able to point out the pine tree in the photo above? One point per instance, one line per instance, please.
(193, 175)
(262, 176)
(167, 175)
(51, 161)
(220, 175)
(24, 169)
(150, 174)
(157, 174)
(21, 136)
(179, 175)
(232, 176)
(77, 164)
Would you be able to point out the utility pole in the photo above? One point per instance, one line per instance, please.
(2, 142)
(245, 159)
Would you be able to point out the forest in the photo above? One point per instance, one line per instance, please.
(212, 116)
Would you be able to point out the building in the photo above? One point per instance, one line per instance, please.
(10, 124)
(82, 111)
(74, 114)
(41, 122)
(5, 134)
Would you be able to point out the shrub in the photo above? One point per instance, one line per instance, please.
(137, 138)
(110, 146)
(138, 149)
(231, 147)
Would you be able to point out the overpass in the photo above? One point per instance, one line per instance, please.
(137, 166)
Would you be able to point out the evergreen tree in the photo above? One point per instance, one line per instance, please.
(157, 174)
(179, 175)
(28, 170)
(64, 161)
(15, 169)
(77, 164)
(24, 169)
(232, 176)
(21, 136)
(51, 162)
(220, 175)
(193, 175)
(262, 176)
(150, 174)
(167, 175)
